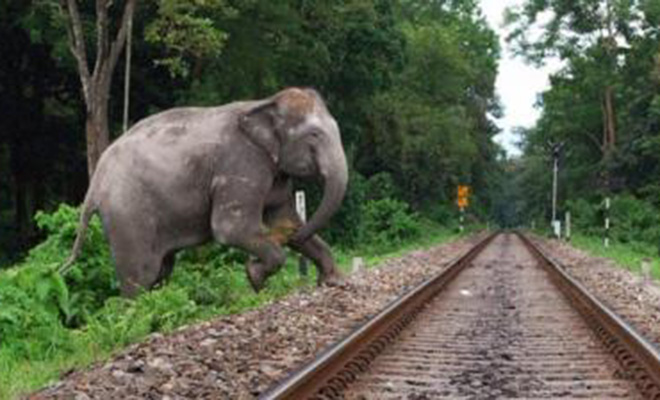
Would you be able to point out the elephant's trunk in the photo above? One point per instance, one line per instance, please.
(334, 169)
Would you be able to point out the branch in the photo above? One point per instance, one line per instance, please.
(595, 140)
(101, 34)
(118, 44)
(77, 45)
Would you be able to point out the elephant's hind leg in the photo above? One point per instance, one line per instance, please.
(138, 271)
(139, 264)
(167, 266)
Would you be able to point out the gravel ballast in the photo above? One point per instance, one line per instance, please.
(627, 294)
(240, 356)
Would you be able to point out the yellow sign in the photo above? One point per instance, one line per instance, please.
(463, 196)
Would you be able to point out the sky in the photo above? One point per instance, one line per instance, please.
(518, 84)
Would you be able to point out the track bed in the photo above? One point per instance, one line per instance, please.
(499, 330)
(502, 321)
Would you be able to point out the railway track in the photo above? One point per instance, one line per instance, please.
(502, 321)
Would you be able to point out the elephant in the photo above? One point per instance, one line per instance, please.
(189, 175)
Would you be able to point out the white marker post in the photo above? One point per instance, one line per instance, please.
(301, 209)
(646, 270)
(567, 229)
(556, 228)
(607, 222)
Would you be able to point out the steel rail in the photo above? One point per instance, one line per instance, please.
(639, 357)
(337, 367)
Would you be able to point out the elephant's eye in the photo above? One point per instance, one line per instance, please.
(316, 133)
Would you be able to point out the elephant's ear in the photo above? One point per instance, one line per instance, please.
(261, 125)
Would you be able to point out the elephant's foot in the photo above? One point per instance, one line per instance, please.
(334, 279)
(256, 275)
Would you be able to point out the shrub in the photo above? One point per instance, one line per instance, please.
(388, 222)
(585, 217)
(632, 219)
(92, 278)
(381, 186)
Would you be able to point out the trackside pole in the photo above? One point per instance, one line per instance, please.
(606, 241)
(301, 209)
(567, 228)
(555, 169)
(461, 218)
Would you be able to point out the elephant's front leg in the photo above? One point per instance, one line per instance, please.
(242, 229)
(319, 252)
(282, 222)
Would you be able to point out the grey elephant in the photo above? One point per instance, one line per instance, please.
(188, 175)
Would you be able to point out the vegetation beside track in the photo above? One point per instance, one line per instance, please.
(627, 255)
(634, 230)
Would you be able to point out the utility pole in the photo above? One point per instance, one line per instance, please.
(555, 169)
(556, 149)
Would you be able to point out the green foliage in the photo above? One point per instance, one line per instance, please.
(188, 32)
(628, 255)
(634, 220)
(609, 50)
(388, 222)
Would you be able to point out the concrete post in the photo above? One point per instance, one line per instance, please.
(301, 208)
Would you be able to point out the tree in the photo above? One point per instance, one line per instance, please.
(604, 102)
(96, 82)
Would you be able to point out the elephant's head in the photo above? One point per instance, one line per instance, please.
(301, 137)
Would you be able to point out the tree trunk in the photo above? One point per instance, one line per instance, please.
(609, 123)
(22, 215)
(97, 133)
(96, 83)
(611, 120)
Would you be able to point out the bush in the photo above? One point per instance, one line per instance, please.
(632, 219)
(38, 305)
(585, 217)
(40, 309)
(388, 222)
(92, 278)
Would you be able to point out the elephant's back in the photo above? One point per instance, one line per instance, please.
(168, 152)
(183, 120)
(179, 134)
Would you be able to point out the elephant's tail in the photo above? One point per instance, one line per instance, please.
(88, 208)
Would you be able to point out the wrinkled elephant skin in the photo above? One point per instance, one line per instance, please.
(188, 175)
